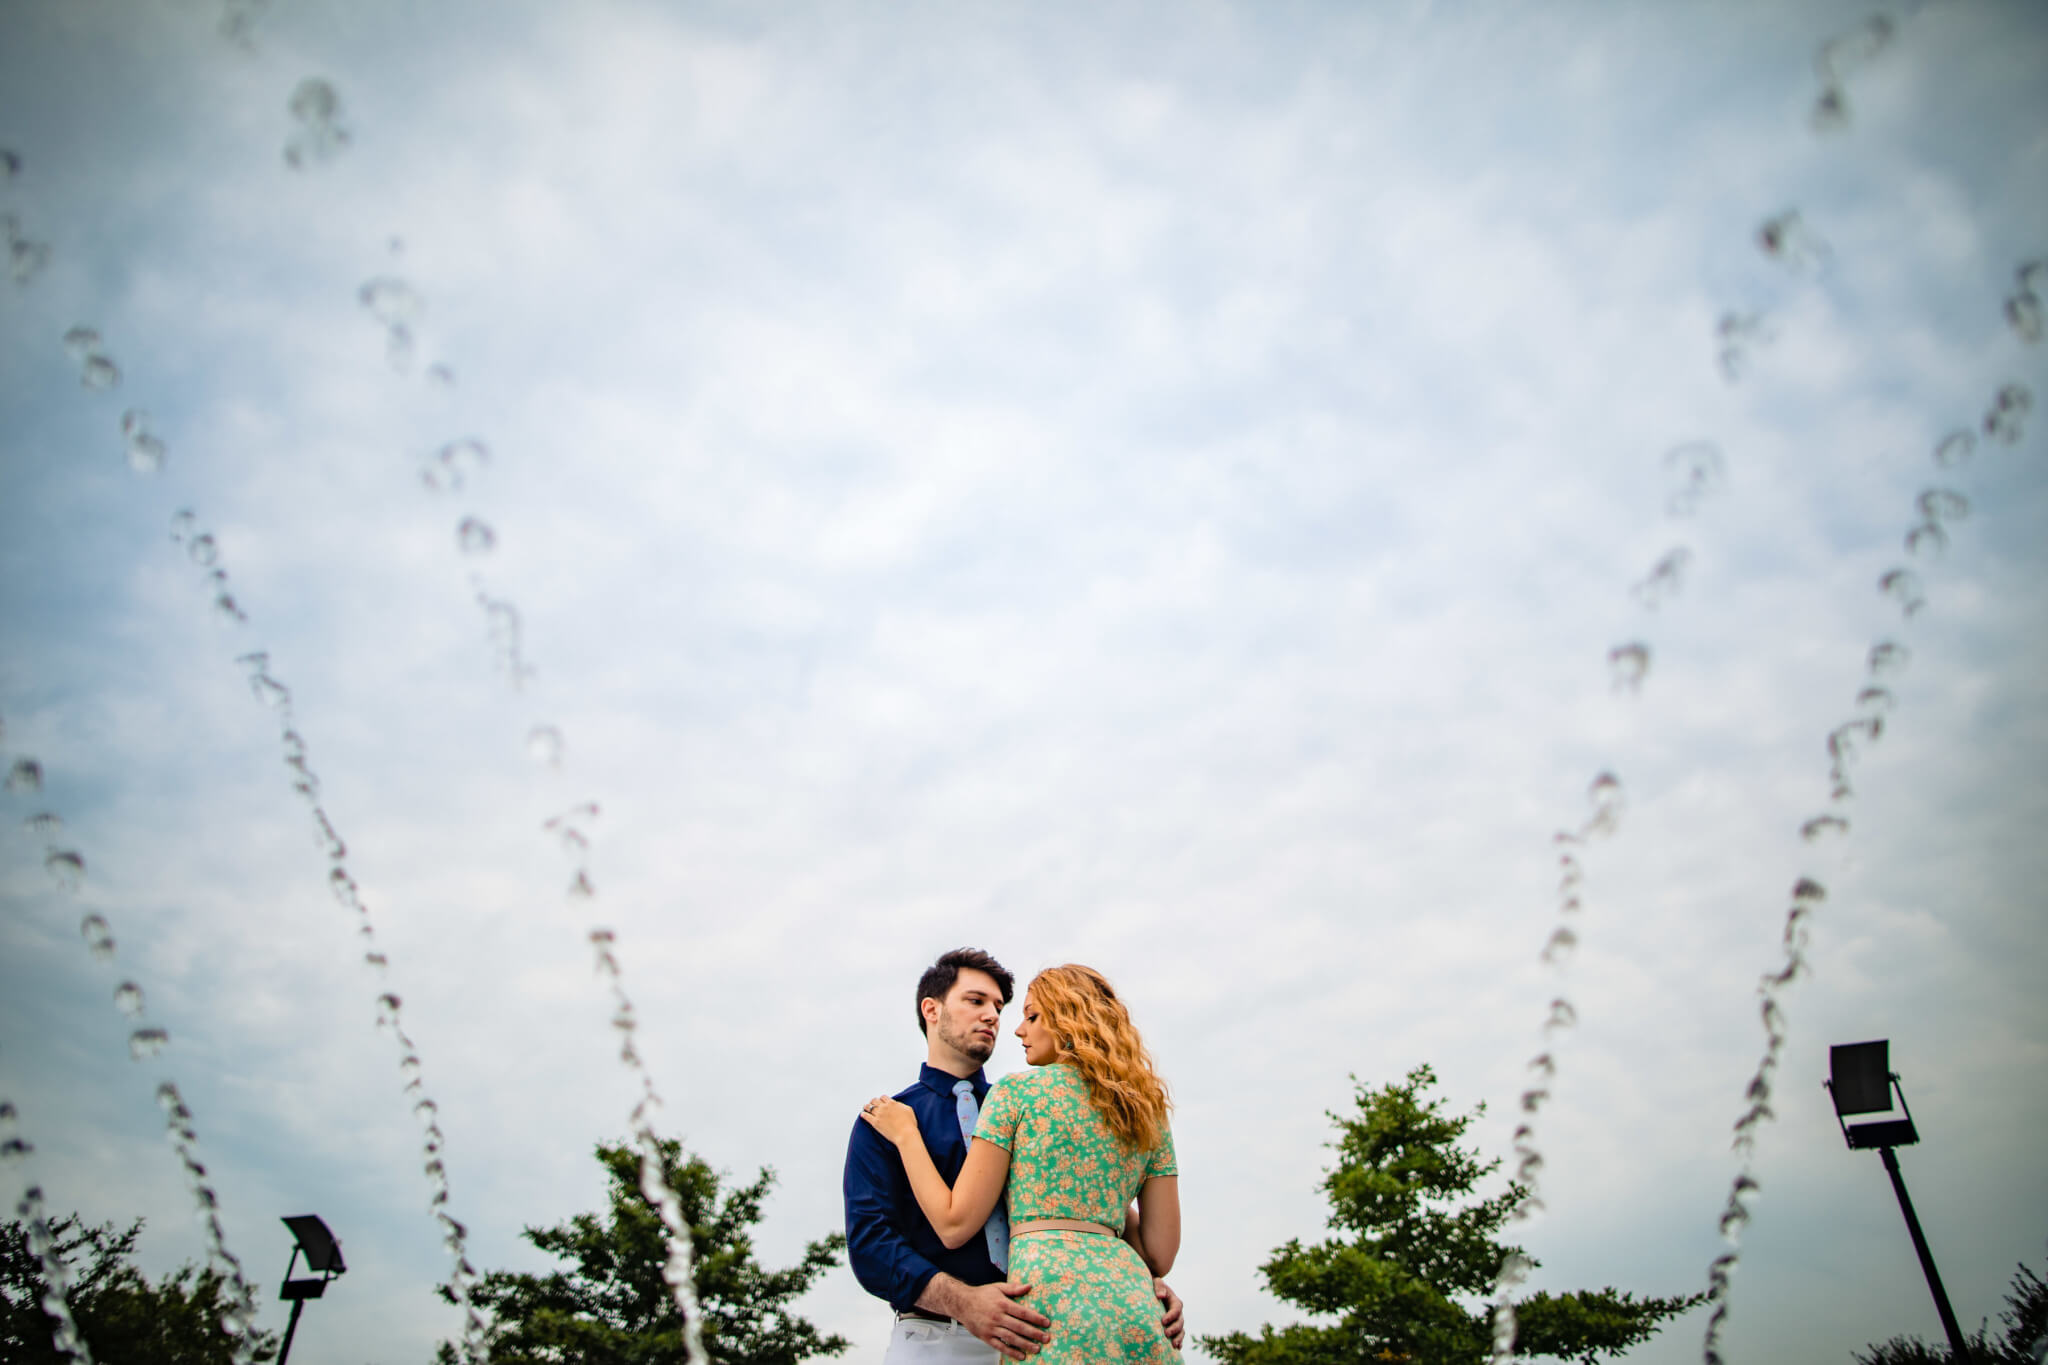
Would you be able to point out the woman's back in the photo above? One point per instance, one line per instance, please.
(1066, 1163)
(1064, 1160)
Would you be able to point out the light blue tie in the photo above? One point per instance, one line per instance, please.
(997, 1228)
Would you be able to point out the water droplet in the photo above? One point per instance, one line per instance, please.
(10, 163)
(147, 1042)
(321, 136)
(1955, 448)
(1699, 471)
(128, 999)
(203, 550)
(25, 776)
(1844, 53)
(225, 607)
(1563, 943)
(387, 1009)
(1942, 504)
(398, 347)
(325, 838)
(1926, 541)
(440, 376)
(1562, 1016)
(1876, 699)
(544, 745)
(26, 259)
(1665, 579)
(271, 692)
(314, 102)
(98, 936)
(1807, 890)
(66, 868)
(454, 463)
(146, 454)
(390, 300)
(1889, 657)
(1903, 587)
(43, 824)
(2023, 314)
(1626, 666)
(343, 887)
(1739, 334)
(474, 537)
(99, 373)
(1606, 795)
(1787, 239)
(1845, 740)
(2008, 410)
(580, 887)
(182, 522)
(81, 343)
(1823, 827)
(14, 1149)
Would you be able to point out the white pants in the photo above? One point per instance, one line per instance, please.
(918, 1342)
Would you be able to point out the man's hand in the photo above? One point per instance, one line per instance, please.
(1169, 1317)
(996, 1314)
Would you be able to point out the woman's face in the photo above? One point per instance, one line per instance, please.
(1039, 1047)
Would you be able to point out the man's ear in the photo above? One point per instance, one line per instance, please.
(929, 1008)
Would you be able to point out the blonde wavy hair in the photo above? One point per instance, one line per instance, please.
(1095, 1033)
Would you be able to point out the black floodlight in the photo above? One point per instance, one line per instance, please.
(323, 1254)
(1861, 1081)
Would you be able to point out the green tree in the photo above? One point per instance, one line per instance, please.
(1408, 1275)
(2023, 1342)
(123, 1318)
(611, 1306)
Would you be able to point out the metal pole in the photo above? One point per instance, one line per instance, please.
(298, 1305)
(1956, 1344)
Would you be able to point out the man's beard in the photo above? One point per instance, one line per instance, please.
(970, 1046)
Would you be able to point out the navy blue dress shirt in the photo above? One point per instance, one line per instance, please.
(889, 1241)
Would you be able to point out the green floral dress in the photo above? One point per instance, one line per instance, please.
(1066, 1163)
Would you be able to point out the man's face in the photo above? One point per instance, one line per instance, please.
(966, 1018)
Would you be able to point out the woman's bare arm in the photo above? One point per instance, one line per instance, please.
(1159, 1222)
(956, 1211)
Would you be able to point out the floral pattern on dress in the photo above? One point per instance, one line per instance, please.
(1066, 1163)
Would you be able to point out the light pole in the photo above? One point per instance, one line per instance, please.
(1861, 1081)
(323, 1253)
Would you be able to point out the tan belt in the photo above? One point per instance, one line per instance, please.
(1060, 1225)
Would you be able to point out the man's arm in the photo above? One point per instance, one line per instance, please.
(882, 1258)
(995, 1313)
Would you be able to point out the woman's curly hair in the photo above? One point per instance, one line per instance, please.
(1094, 1031)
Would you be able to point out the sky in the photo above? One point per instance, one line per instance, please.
(1153, 486)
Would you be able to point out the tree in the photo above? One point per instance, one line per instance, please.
(611, 1306)
(122, 1317)
(2024, 1341)
(1408, 1276)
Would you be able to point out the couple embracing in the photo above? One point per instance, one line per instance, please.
(999, 1220)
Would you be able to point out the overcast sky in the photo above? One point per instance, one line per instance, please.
(1150, 485)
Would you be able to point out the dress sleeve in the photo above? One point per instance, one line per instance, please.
(998, 1122)
(1162, 1161)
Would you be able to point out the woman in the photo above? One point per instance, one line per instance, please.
(1075, 1139)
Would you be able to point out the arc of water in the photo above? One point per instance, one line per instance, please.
(64, 1334)
(454, 467)
(147, 1040)
(1936, 508)
(1699, 472)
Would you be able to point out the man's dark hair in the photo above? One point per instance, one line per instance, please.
(938, 978)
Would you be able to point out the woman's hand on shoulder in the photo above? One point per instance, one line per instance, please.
(893, 1119)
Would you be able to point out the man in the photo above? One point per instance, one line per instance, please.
(951, 1305)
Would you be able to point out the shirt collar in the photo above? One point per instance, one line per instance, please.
(942, 1082)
